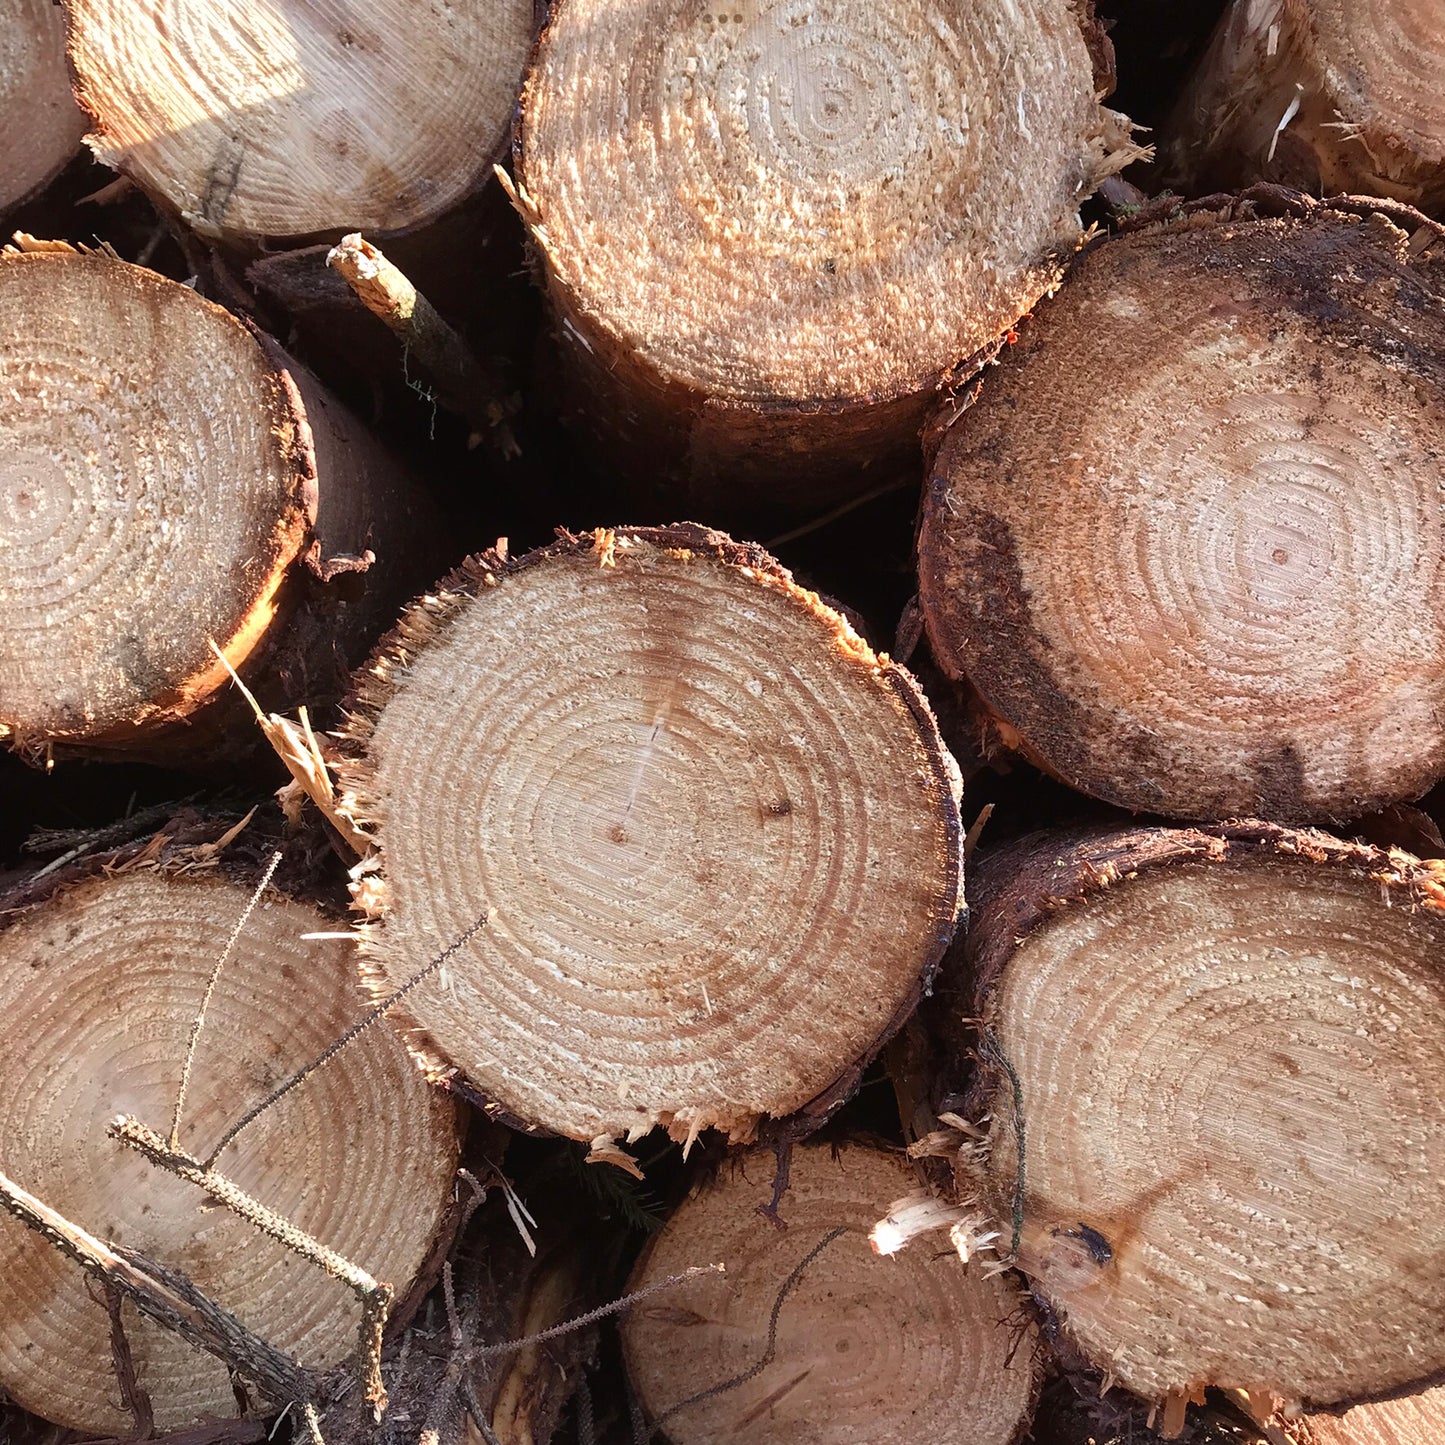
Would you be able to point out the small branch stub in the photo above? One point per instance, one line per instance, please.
(462, 383)
(717, 834)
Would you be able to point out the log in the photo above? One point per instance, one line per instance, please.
(299, 119)
(851, 1346)
(1212, 1063)
(1326, 95)
(39, 118)
(725, 205)
(171, 477)
(713, 835)
(102, 972)
(1171, 545)
(1414, 1420)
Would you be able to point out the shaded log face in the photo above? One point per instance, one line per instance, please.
(716, 835)
(1235, 1111)
(1330, 95)
(297, 117)
(1381, 61)
(735, 193)
(39, 119)
(100, 986)
(153, 488)
(918, 1347)
(1188, 545)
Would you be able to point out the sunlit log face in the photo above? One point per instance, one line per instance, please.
(153, 492)
(101, 985)
(737, 192)
(41, 122)
(714, 834)
(1233, 1103)
(293, 117)
(1188, 546)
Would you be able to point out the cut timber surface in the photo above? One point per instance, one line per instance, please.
(715, 835)
(895, 1351)
(167, 477)
(1415, 1420)
(99, 986)
(300, 117)
(728, 198)
(1326, 95)
(1188, 547)
(1228, 1052)
(39, 118)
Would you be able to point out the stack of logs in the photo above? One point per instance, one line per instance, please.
(607, 876)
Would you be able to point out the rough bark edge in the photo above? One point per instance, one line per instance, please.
(1267, 200)
(1411, 238)
(1020, 887)
(430, 617)
(290, 434)
(196, 841)
(1263, 201)
(707, 1178)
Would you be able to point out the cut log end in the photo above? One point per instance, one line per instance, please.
(916, 1347)
(153, 488)
(1227, 610)
(100, 985)
(1387, 56)
(1328, 95)
(39, 118)
(1228, 1057)
(300, 119)
(715, 835)
(1414, 1420)
(762, 181)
